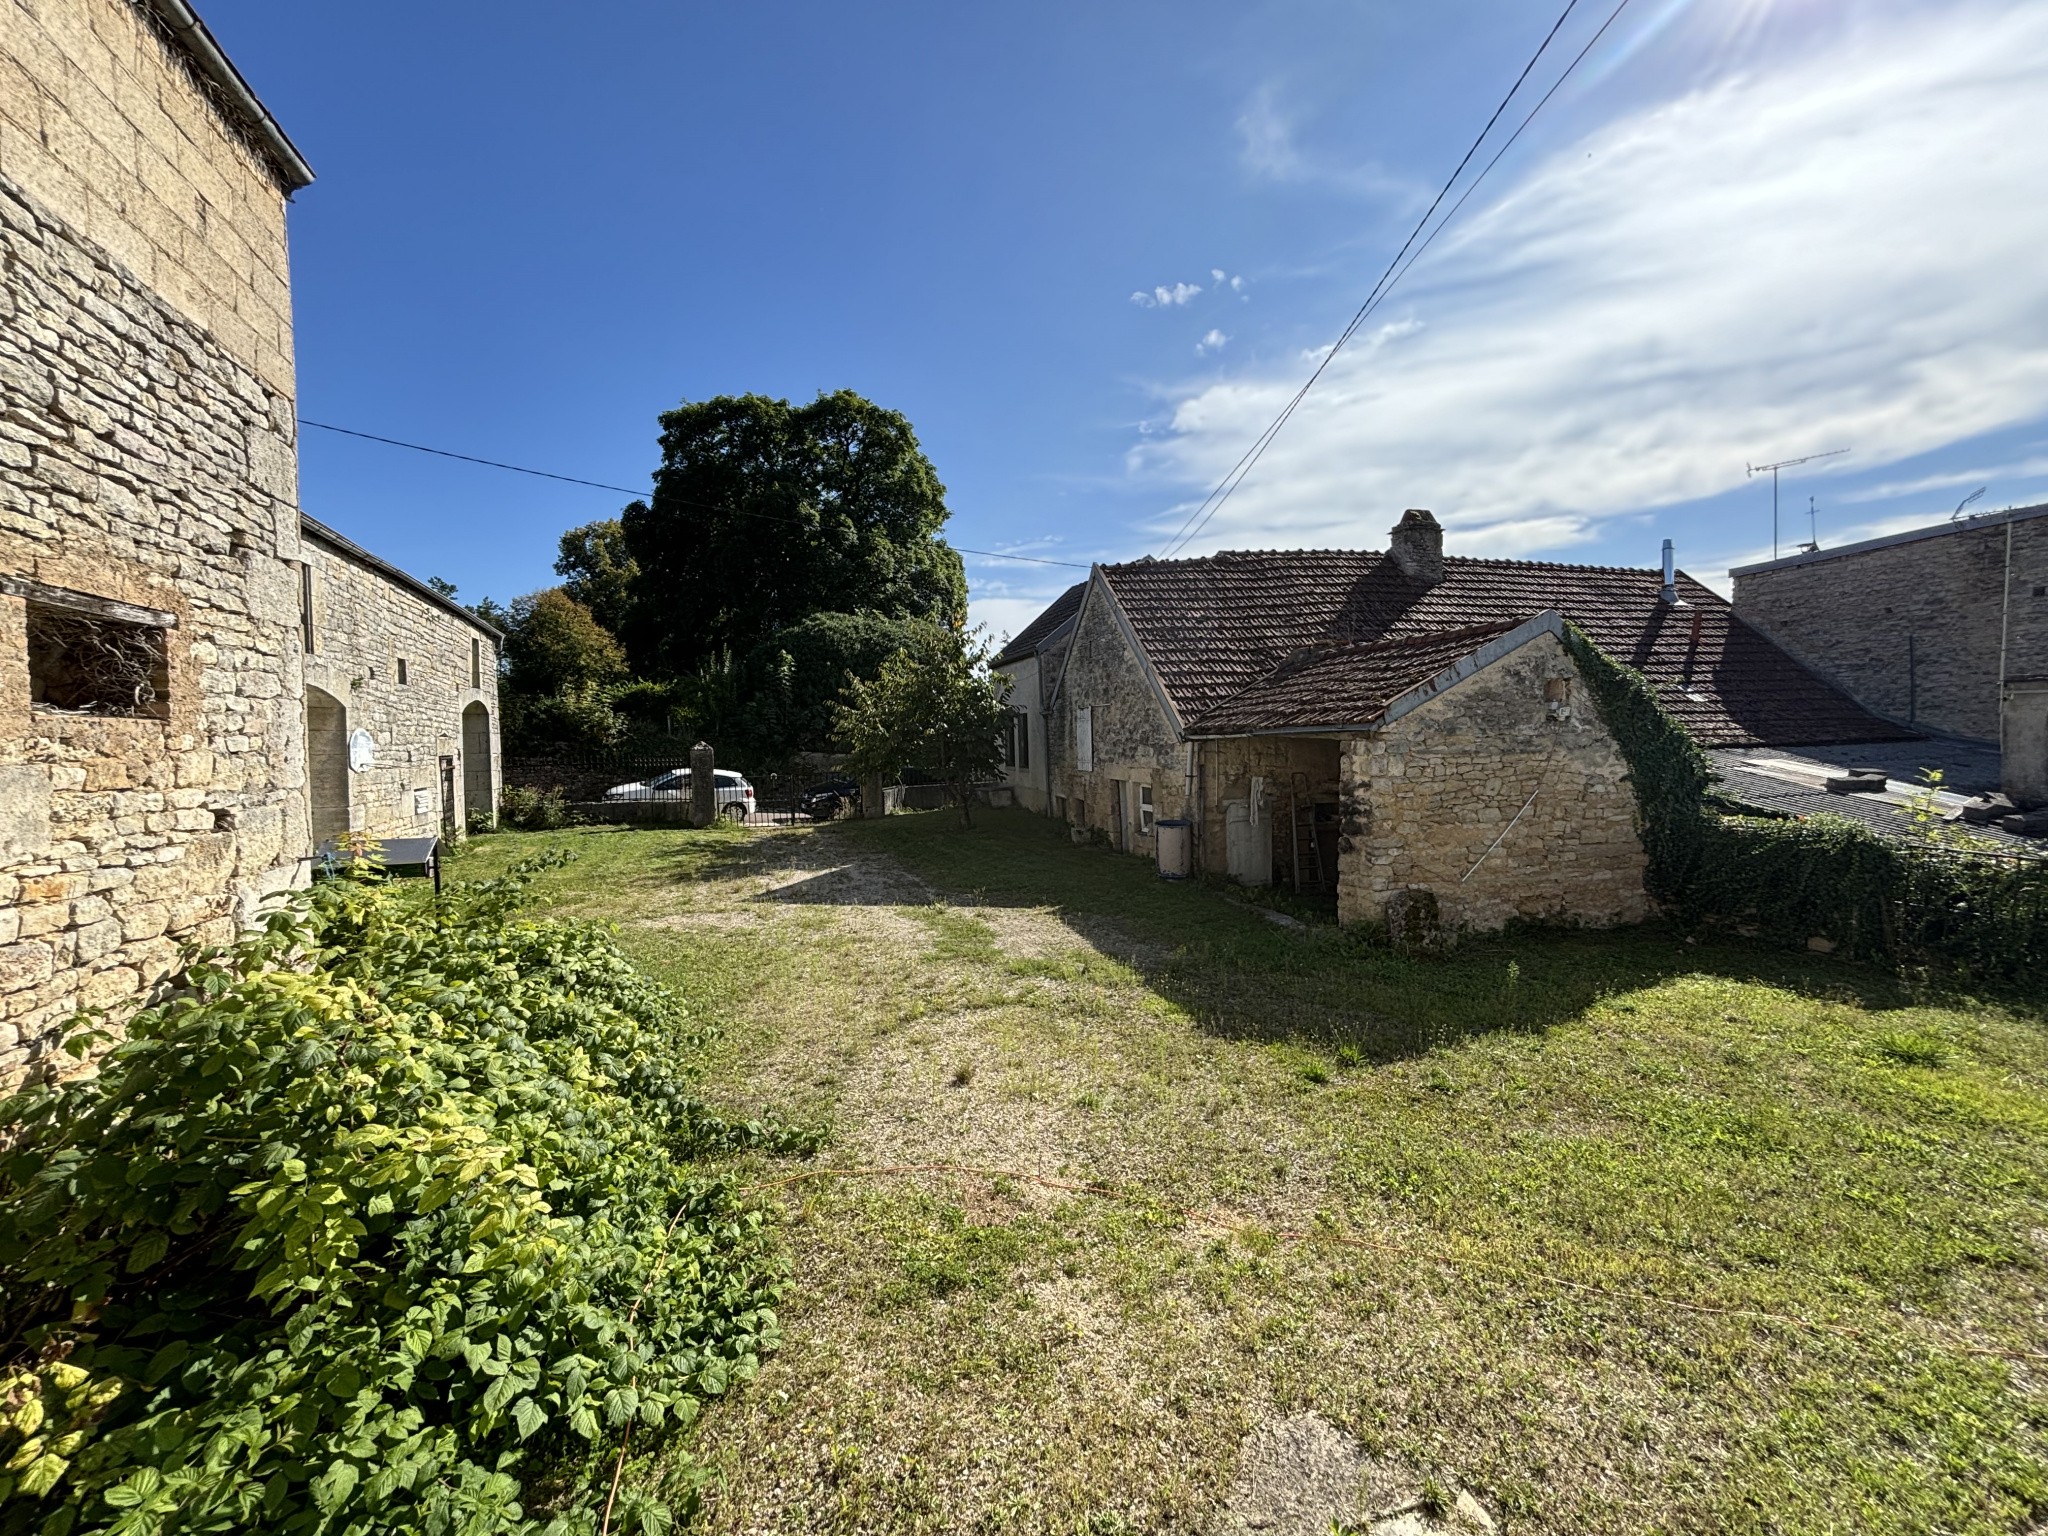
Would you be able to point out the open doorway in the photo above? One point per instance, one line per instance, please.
(326, 766)
(478, 792)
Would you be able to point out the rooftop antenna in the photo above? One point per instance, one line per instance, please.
(1758, 469)
(1812, 544)
(1957, 515)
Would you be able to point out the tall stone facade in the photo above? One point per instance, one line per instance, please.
(151, 750)
(1504, 797)
(407, 676)
(1913, 626)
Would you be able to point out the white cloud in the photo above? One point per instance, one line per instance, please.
(1213, 342)
(1838, 245)
(1268, 149)
(1179, 293)
(1891, 490)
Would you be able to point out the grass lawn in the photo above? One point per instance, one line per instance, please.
(1615, 1232)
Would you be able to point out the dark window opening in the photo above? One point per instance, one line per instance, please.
(86, 664)
(476, 662)
(306, 606)
(404, 673)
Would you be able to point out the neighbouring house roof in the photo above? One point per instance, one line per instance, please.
(1045, 627)
(1977, 524)
(1213, 628)
(341, 544)
(1351, 687)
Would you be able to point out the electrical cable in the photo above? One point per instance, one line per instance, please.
(1396, 269)
(520, 469)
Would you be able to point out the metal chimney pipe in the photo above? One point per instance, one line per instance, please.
(1670, 592)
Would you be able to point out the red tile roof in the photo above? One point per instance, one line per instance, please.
(1214, 627)
(1349, 686)
(1042, 628)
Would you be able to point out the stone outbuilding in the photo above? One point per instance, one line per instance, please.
(401, 698)
(156, 646)
(1387, 727)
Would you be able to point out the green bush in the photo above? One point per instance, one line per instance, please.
(385, 1221)
(1958, 911)
(532, 810)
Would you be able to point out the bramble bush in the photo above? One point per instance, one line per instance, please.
(386, 1221)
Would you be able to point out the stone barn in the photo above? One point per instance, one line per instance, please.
(401, 690)
(1381, 728)
(160, 662)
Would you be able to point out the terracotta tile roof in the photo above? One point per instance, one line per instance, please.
(1035, 634)
(1214, 627)
(1347, 686)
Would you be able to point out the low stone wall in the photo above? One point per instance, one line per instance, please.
(631, 813)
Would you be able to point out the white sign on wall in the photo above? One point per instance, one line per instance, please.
(362, 751)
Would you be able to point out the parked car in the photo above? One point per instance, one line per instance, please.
(823, 801)
(734, 794)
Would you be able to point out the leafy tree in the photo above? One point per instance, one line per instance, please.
(554, 646)
(789, 686)
(934, 703)
(598, 571)
(765, 513)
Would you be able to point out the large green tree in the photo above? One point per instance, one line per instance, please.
(597, 570)
(765, 513)
(553, 645)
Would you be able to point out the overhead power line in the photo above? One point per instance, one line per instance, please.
(1396, 269)
(706, 506)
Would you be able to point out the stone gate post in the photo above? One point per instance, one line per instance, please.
(703, 785)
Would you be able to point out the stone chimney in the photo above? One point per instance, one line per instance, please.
(1418, 547)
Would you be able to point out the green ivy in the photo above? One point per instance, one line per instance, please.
(385, 1221)
(1952, 911)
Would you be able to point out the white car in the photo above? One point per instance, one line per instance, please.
(735, 795)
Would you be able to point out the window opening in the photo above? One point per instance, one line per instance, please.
(476, 662)
(306, 606)
(1145, 811)
(1021, 723)
(87, 663)
(404, 673)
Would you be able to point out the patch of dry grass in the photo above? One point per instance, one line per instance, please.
(1542, 1221)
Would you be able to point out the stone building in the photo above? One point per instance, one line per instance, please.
(1940, 629)
(401, 698)
(1383, 725)
(1031, 660)
(153, 664)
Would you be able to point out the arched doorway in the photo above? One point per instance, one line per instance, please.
(477, 788)
(326, 766)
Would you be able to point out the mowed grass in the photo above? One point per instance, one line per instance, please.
(1617, 1231)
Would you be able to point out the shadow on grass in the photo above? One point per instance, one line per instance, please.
(1239, 975)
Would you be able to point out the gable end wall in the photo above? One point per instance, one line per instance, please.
(1426, 797)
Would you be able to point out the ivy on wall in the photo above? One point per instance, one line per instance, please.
(1960, 912)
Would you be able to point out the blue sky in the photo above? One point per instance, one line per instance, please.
(1089, 250)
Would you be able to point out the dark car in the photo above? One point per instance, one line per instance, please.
(827, 799)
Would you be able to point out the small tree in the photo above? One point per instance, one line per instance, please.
(934, 703)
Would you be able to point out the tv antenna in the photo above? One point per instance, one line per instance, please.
(1957, 515)
(1772, 470)
(1812, 544)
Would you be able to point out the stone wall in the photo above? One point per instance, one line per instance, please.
(103, 122)
(1910, 626)
(1134, 743)
(1429, 793)
(366, 627)
(141, 460)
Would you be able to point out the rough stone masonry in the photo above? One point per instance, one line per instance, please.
(152, 683)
